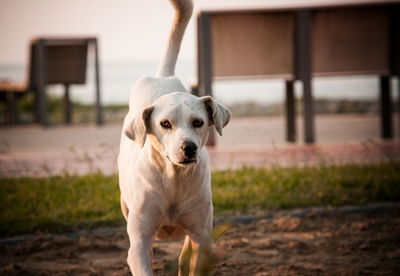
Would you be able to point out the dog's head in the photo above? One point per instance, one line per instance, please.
(177, 125)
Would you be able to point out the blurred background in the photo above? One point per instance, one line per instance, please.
(132, 36)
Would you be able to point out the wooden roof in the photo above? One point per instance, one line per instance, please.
(240, 5)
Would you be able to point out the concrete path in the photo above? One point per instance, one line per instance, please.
(32, 150)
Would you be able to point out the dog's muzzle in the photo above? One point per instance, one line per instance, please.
(189, 151)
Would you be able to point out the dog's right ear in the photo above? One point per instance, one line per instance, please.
(139, 127)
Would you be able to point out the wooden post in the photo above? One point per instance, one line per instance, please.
(40, 83)
(290, 112)
(394, 52)
(386, 108)
(204, 69)
(99, 109)
(304, 71)
(11, 108)
(67, 105)
(398, 106)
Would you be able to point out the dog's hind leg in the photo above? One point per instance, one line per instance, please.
(202, 256)
(184, 257)
(124, 208)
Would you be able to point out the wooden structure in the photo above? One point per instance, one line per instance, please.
(299, 43)
(53, 61)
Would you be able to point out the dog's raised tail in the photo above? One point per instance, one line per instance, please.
(183, 12)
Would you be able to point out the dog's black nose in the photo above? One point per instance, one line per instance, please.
(189, 148)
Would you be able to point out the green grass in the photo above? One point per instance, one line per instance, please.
(278, 188)
(58, 204)
(68, 203)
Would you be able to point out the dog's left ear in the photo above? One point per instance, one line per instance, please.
(218, 115)
(139, 127)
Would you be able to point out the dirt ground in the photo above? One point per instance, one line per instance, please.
(330, 243)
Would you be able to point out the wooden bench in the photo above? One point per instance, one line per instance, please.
(296, 41)
(53, 61)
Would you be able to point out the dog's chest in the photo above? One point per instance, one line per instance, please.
(172, 213)
(178, 197)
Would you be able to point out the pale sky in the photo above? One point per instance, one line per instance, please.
(127, 29)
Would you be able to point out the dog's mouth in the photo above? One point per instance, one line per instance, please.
(188, 161)
(184, 162)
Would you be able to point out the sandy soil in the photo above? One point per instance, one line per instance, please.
(334, 243)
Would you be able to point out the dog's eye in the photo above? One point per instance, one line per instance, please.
(166, 124)
(197, 123)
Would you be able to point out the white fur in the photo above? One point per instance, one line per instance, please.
(165, 194)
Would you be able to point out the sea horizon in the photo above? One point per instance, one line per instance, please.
(118, 77)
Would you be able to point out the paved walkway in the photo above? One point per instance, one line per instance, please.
(32, 150)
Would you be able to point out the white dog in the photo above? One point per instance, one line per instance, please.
(164, 173)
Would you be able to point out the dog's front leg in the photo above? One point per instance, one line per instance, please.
(141, 237)
(139, 259)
